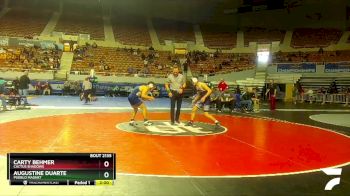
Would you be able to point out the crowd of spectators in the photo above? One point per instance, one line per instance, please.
(29, 58)
(43, 88)
(71, 88)
(317, 56)
(233, 99)
(202, 62)
(321, 93)
(128, 61)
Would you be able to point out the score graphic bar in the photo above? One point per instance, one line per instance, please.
(61, 168)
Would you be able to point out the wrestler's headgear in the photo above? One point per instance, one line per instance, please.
(151, 84)
(194, 80)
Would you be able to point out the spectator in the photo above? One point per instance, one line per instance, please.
(143, 57)
(87, 88)
(57, 64)
(222, 85)
(46, 88)
(185, 67)
(310, 94)
(320, 51)
(24, 82)
(333, 89)
(106, 67)
(347, 94)
(295, 94)
(146, 71)
(227, 100)
(323, 92)
(116, 91)
(160, 67)
(300, 91)
(215, 97)
(156, 55)
(75, 86)
(238, 90)
(246, 99)
(255, 99)
(66, 88)
(272, 92)
(71, 45)
(2, 94)
(38, 88)
(15, 83)
(130, 70)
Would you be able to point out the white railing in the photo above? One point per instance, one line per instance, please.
(118, 74)
(325, 98)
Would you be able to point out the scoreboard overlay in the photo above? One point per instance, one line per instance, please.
(61, 168)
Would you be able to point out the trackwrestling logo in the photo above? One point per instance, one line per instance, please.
(164, 128)
(335, 181)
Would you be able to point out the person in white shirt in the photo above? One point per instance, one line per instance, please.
(87, 86)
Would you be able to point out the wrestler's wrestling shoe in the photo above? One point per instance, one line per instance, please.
(147, 123)
(132, 123)
(190, 123)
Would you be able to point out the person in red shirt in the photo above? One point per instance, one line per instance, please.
(222, 85)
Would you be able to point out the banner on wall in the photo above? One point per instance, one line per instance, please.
(296, 68)
(337, 67)
(30, 43)
(4, 41)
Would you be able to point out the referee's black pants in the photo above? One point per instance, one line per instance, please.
(175, 99)
(86, 95)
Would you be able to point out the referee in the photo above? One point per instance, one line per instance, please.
(175, 86)
(87, 86)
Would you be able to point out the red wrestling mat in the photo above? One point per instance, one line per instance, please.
(248, 146)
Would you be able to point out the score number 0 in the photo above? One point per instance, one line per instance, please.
(106, 164)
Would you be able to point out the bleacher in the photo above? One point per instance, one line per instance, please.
(123, 26)
(2, 4)
(118, 60)
(51, 5)
(313, 38)
(24, 4)
(24, 22)
(28, 58)
(173, 30)
(218, 36)
(263, 35)
(75, 21)
(314, 84)
(325, 56)
(229, 63)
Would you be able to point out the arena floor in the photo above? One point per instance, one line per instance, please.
(265, 153)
